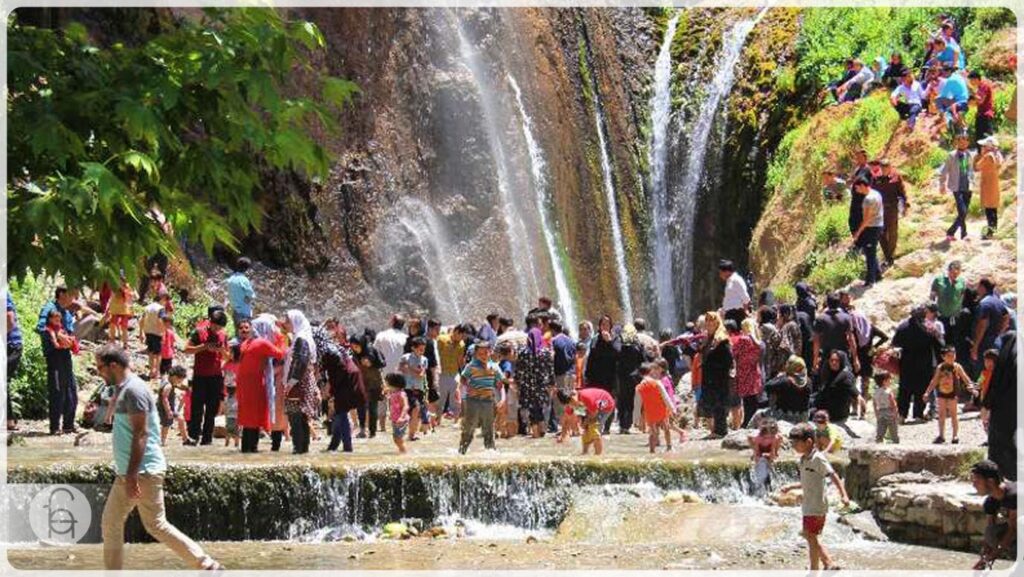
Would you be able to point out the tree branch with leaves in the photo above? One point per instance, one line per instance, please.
(112, 148)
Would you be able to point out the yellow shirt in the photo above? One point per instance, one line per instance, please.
(450, 354)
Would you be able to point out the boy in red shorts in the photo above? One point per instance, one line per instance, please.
(814, 470)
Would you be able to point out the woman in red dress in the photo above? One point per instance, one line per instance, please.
(255, 379)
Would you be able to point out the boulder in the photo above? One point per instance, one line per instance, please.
(864, 524)
(738, 440)
(791, 498)
(90, 328)
(682, 497)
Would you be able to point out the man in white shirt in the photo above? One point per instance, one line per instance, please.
(906, 99)
(737, 298)
(390, 343)
(870, 230)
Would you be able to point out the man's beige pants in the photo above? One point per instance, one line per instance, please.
(154, 519)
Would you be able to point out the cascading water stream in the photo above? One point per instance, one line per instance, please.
(686, 200)
(519, 239)
(613, 204)
(421, 222)
(540, 186)
(661, 111)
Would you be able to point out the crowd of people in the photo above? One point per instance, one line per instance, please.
(746, 365)
(742, 366)
(878, 196)
(942, 84)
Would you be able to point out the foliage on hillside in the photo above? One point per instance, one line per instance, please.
(106, 139)
(831, 35)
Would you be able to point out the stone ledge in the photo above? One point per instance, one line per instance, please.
(929, 511)
(868, 464)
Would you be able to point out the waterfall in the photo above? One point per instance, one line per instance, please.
(519, 240)
(613, 204)
(432, 240)
(686, 199)
(540, 187)
(661, 111)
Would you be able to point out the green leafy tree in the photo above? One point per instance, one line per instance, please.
(110, 148)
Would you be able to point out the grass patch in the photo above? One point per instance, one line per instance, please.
(920, 170)
(831, 226)
(908, 239)
(832, 270)
(784, 293)
(826, 143)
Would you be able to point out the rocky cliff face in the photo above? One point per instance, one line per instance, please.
(434, 202)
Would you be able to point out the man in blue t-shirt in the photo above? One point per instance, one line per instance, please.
(13, 356)
(240, 292)
(60, 369)
(990, 321)
(565, 361)
(139, 465)
(953, 96)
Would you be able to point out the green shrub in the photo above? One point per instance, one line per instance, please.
(978, 32)
(831, 226)
(784, 293)
(28, 388)
(828, 36)
(804, 153)
(1001, 101)
(832, 272)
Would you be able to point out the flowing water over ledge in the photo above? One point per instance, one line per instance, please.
(496, 515)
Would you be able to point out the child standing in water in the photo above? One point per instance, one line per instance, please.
(655, 405)
(666, 381)
(398, 408)
(597, 406)
(814, 470)
(948, 375)
(765, 446)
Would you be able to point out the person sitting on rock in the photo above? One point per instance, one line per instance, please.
(1000, 508)
(788, 394)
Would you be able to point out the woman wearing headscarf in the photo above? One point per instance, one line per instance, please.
(344, 385)
(370, 363)
(746, 353)
(632, 354)
(805, 301)
(838, 387)
(301, 396)
(535, 374)
(603, 359)
(716, 365)
(775, 352)
(792, 336)
(919, 349)
(255, 379)
(789, 393)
